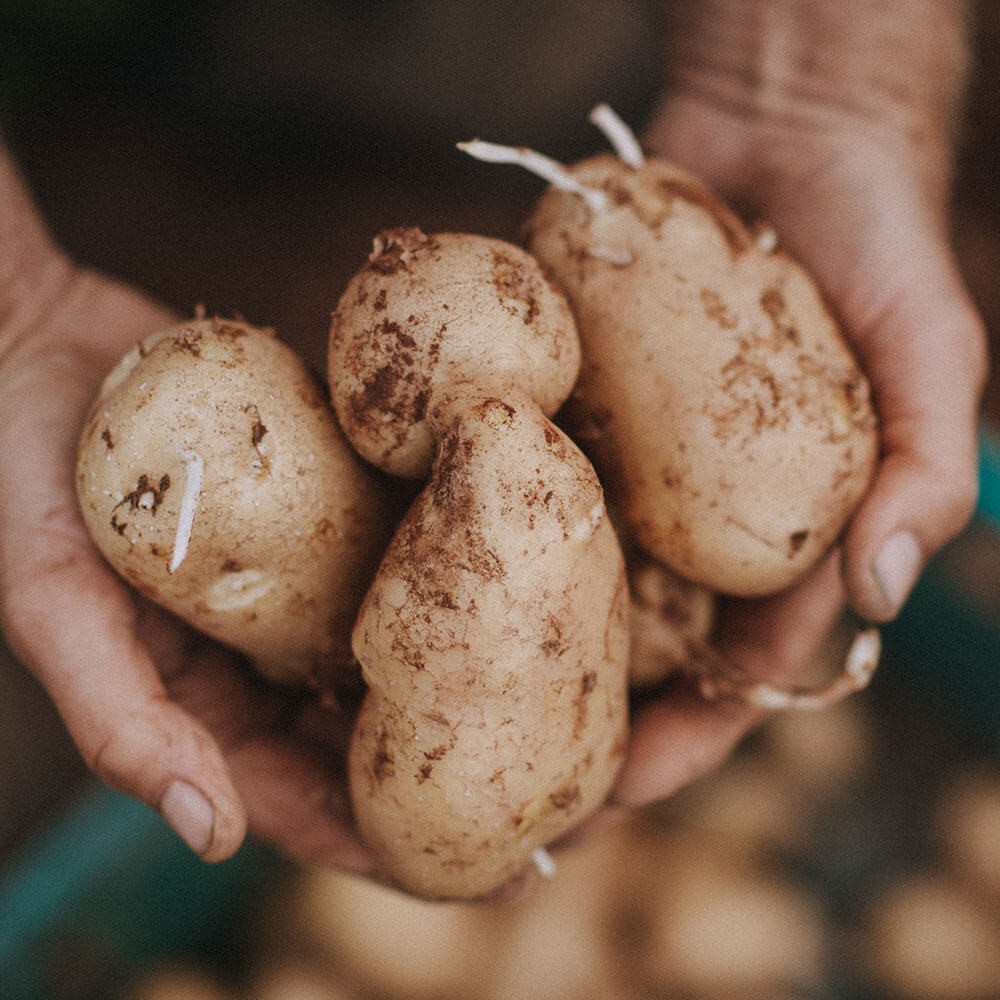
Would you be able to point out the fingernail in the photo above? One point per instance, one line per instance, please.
(897, 566)
(189, 814)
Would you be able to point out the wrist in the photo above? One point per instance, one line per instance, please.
(33, 268)
(758, 86)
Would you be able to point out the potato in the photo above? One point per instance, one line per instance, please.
(291, 980)
(211, 474)
(717, 397)
(925, 937)
(747, 803)
(967, 828)
(176, 980)
(494, 639)
(562, 939)
(671, 622)
(393, 338)
(720, 923)
(381, 941)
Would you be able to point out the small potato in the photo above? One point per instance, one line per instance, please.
(926, 937)
(967, 827)
(384, 942)
(671, 622)
(177, 981)
(419, 315)
(749, 804)
(717, 397)
(720, 923)
(212, 475)
(290, 980)
(571, 936)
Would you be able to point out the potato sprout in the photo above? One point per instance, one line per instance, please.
(194, 466)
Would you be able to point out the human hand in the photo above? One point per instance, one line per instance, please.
(156, 711)
(853, 175)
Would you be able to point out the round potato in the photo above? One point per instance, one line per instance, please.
(212, 475)
(429, 310)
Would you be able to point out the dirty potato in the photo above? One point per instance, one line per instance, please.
(717, 397)
(211, 474)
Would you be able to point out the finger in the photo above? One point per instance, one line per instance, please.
(926, 357)
(681, 736)
(286, 756)
(71, 623)
(297, 804)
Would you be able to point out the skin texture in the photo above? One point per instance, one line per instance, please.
(835, 127)
(494, 640)
(687, 324)
(235, 399)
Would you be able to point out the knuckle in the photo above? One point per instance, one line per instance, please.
(130, 751)
(963, 503)
(108, 757)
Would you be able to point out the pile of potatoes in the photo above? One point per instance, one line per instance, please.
(764, 880)
(714, 434)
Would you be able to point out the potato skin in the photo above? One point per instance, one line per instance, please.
(495, 645)
(671, 622)
(289, 525)
(717, 397)
(426, 311)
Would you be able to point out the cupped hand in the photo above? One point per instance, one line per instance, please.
(865, 210)
(156, 711)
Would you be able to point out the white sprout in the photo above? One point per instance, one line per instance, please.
(766, 239)
(194, 466)
(544, 862)
(538, 163)
(859, 666)
(621, 137)
(615, 256)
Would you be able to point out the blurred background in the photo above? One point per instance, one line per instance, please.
(240, 156)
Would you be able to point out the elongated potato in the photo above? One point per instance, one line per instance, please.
(717, 397)
(213, 477)
(494, 642)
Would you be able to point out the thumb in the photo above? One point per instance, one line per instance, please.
(926, 356)
(72, 624)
